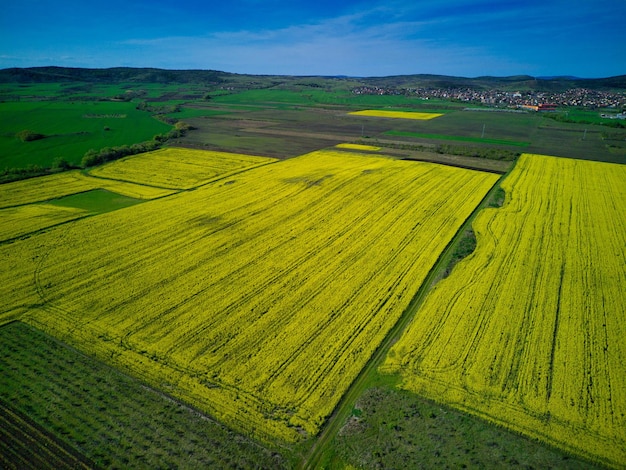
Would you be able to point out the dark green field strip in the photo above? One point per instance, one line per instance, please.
(419, 135)
(25, 445)
(97, 201)
(187, 112)
(456, 165)
(112, 419)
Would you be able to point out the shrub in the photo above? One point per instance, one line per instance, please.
(28, 135)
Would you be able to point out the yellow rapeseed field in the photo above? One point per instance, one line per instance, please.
(178, 168)
(370, 148)
(56, 186)
(396, 114)
(530, 330)
(18, 221)
(257, 298)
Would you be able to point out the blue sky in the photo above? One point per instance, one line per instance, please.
(341, 37)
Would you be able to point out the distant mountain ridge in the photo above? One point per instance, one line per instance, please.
(54, 74)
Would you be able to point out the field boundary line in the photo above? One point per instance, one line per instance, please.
(128, 181)
(335, 421)
(44, 229)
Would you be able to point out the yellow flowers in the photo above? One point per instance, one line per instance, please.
(396, 114)
(370, 148)
(529, 330)
(70, 182)
(177, 168)
(18, 221)
(257, 298)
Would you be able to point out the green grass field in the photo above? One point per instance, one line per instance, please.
(70, 129)
(313, 96)
(97, 201)
(459, 138)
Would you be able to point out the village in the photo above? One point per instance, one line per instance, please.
(535, 100)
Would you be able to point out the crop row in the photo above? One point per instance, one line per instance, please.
(529, 330)
(257, 298)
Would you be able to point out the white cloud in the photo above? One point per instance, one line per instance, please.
(333, 47)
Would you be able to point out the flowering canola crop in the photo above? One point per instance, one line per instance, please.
(178, 168)
(396, 114)
(371, 148)
(257, 298)
(530, 330)
(70, 182)
(18, 221)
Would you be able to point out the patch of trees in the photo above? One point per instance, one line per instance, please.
(490, 153)
(129, 95)
(107, 154)
(158, 110)
(28, 136)
(31, 171)
(16, 174)
(464, 247)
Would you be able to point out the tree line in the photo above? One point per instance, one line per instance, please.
(107, 154)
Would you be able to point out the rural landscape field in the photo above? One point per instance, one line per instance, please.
(296, 272)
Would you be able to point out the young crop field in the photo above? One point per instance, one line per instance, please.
(176, 168)
(257, 298)
(397, 114)
(528, 331)
(70, 129)
(482, 140)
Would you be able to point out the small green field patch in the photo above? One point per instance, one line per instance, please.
(97, 201)
(419, 135)
(189, 112)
